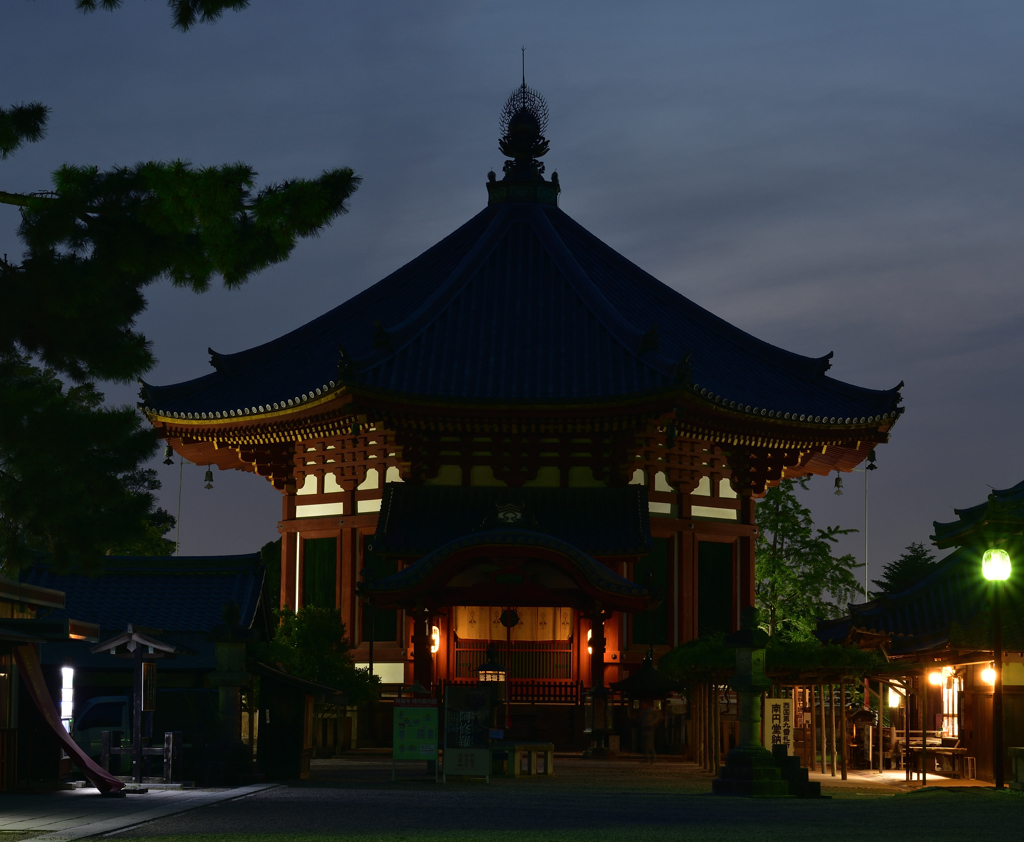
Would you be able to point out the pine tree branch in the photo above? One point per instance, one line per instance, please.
(22, 200)
(21, 124)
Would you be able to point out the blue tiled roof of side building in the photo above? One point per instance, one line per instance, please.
(521, 304)
(185, 594)
(921, 615)
(1004, 505)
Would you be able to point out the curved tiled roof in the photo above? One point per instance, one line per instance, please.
(415, 520)
(1002, 513)
(521, 305)
(923, 615)
(176, 594)
(600, 577)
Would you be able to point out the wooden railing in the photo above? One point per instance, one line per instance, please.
(531, 659)
(535, 691)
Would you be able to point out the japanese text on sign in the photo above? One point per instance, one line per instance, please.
(779, 721)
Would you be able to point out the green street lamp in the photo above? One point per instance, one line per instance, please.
(995, 566)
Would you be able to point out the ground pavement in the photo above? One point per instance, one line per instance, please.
(586, 801)
(78, 813)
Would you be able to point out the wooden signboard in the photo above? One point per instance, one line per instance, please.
(778, 719)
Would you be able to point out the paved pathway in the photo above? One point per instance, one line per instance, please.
(620, 799)
(73, 814)
(591, 801)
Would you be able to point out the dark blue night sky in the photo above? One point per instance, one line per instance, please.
(841, 177)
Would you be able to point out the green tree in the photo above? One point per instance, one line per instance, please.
(71, 481)
(914, 563)
(313, 645)
(798, 578)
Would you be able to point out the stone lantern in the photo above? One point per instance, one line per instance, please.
(749, 767)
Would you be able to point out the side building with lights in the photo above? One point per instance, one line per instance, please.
(939, 636)
(520, 418)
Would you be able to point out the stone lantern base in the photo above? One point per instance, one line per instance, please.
(750, 770)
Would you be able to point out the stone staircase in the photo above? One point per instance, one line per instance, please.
(795, 775)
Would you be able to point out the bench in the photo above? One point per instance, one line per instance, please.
(538, 758)
(949, 760)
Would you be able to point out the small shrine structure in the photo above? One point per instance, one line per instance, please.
(520, 417)
(938, 636)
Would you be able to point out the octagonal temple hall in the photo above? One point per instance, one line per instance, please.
(520, 418)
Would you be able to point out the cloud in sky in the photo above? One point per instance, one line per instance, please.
(841, 177)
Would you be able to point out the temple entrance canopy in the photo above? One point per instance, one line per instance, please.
(472, 554)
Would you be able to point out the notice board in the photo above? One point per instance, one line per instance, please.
(467, 723)
(415, 730)
(778, 720)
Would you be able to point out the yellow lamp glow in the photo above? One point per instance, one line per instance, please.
(895, 697)
(995, 565)
(435, 639)
(988, 675)
(590, 649)
(935, 678)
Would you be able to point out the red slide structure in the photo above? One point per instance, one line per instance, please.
(31, 672)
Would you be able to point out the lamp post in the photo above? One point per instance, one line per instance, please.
(995, 566)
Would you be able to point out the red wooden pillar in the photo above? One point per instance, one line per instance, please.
(597, 648)
(745, 568)
(687, 587)
(289, 552)
(300, 573)
(347, 578)
(422, 660)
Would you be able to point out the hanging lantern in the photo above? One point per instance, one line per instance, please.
(208, 479)
(871, 466)
(839, 486)
(168, 455)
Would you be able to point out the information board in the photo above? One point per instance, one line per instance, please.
(467, 723)
(778, 719)
(415, 730)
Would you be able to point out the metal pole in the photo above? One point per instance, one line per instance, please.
(137, 718)
(866, 474)
(997, 689)
(177, 523)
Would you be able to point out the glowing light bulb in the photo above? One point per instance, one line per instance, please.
(935, 678)
(988, 675)
(995, 565)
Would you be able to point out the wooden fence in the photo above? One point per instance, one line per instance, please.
(531, 659)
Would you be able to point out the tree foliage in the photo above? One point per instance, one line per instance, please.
(185, 13)
(313, 645)
(71, 481)
(711, 659)
(798, 577)
(914, 563)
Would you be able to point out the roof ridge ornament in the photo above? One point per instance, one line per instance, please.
(523, 121)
